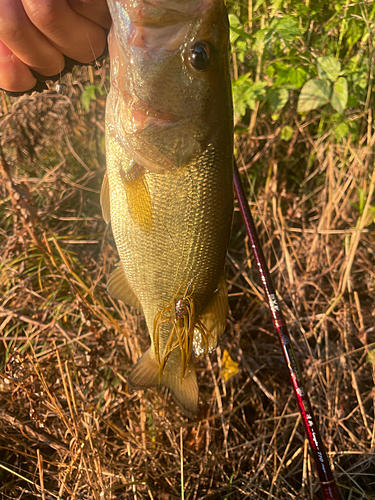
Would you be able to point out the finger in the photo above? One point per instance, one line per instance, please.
(29, 45)
(95, 10)
(15, 76)
(72, 34)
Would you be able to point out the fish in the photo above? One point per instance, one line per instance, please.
(168, 187)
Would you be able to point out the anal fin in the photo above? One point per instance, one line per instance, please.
(119, 287)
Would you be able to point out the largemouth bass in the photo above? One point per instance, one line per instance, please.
(168, 190)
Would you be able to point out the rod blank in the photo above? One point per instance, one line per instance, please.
(327, 481)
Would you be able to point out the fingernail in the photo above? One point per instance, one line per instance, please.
(5, 53)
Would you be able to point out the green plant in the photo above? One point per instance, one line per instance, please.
(304, 56)
(89, 94)
(329, 86)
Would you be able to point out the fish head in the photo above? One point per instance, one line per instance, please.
(170, 86)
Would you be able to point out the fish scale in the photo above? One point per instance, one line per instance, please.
(186, 242)
(168, 189)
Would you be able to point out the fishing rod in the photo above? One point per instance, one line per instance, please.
(327, 481)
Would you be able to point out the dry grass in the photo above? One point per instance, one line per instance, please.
(70, 426)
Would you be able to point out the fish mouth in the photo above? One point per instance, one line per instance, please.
(159, 13)
(163, 12)
(130, 112)
(133, 119)
(155, 24)
(141, 116)
(155, 37)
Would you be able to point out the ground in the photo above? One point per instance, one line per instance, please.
(70, 427)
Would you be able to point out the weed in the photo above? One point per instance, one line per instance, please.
(70, 426)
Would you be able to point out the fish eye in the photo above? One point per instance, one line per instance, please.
(201, 56)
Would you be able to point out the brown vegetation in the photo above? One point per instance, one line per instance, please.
(69, 425)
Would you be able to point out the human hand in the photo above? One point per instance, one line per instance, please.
(37, 37)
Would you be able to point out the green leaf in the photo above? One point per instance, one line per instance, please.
(258, 4)
(241, 50)
(341, 131)
(88, 95)
(277, 98)
(246, 93)
(314, 93)
(371, 356)
(288, 75)
(339, 98)
(234, 22)
(329, 68)
(357, 77)
(284, 30)
(286, 133)
(276, 5)
(240, 32)
(353, 102)
(270, 71)
(361, 199)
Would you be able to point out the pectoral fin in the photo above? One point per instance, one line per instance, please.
(104, 199)
(139, 199)
(145, 374)
(119, 287)
(214, 320)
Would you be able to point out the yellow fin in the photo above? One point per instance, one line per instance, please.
(104, 199)
(229, 367)
(139, 200)
(213, 318)
(185, 392)
(145, 374)
(119, 287)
